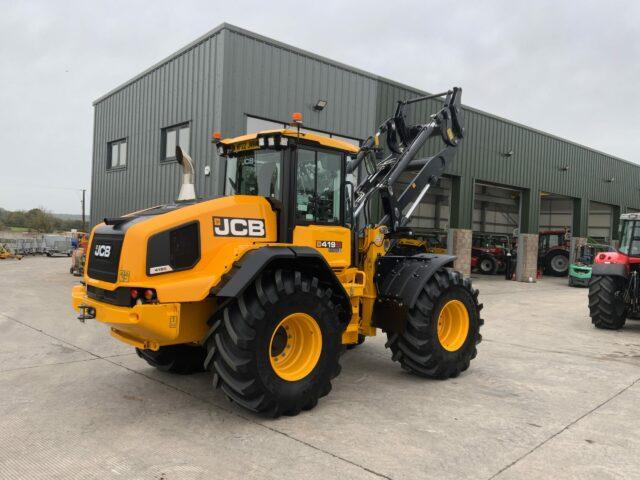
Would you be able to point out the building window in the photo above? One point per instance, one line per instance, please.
(117, 154)
(172, 137)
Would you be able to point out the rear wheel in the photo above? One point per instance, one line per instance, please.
(488, 265)
(442, 329)
(181, 359)
(606, 306)
(558, 263)
(276, 348)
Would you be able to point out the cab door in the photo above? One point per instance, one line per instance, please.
(319, 210)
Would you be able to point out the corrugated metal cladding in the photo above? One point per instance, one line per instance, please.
(184, 89)
(229, 73)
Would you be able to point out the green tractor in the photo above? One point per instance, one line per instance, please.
(583, 258)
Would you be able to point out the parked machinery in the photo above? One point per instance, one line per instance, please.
(264, 286)
(583, 257)
(553, 252)
(6, 253)
(614, 289)
(79, 254)
(489, 252)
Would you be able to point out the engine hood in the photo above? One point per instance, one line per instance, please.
(178, 249)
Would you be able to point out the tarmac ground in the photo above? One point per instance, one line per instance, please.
(548, 396)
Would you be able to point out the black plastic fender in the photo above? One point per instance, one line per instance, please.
(254, 262)
(399, 281)
(609, 269)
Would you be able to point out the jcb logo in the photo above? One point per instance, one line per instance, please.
(103, 251)
(238, 227)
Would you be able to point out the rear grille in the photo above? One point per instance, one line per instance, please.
(120, 296)
(104, 257)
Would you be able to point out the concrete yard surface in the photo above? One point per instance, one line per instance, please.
(548, 396)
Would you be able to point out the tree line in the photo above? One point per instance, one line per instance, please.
(36, 220)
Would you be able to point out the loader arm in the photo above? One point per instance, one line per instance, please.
(405, 141)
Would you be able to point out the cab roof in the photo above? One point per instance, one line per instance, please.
(306, 136)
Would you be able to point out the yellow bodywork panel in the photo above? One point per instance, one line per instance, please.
(150, 326)
(185, 304)
(372, 245)
(353, 281)
(184, 301)
(334, 243)
(217, 253)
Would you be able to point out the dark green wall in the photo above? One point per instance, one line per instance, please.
(221, 77)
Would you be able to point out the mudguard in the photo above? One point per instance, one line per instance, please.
(609, 269)
(254, 262)
(399, 281)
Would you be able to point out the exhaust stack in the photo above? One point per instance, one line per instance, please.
(187, 189)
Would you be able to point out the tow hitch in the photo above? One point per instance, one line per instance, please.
(88, 313)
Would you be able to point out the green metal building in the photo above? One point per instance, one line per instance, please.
(505, 177)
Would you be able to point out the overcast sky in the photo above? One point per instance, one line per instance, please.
(571, 68)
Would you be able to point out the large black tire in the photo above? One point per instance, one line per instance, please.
(488, 265)
(418, 348)
(181, 359)
(606, 305)
(557, 263)
(239, 343)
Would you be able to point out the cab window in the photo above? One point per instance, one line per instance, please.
(256, 173)
(318, 187)
(630, 243)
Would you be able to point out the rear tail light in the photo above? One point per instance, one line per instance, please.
(143, 295)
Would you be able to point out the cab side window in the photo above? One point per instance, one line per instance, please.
(318, 187)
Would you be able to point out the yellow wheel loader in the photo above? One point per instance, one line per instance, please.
(6, 253)
(265, 286)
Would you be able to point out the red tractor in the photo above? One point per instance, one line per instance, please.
(614, 289)
(488, 253)
(553, 252)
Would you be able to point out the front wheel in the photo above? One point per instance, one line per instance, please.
(442, 329)
(606, 305)
(276, 348)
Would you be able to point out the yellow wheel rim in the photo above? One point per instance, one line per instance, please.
(453, 325)
(295, 347)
